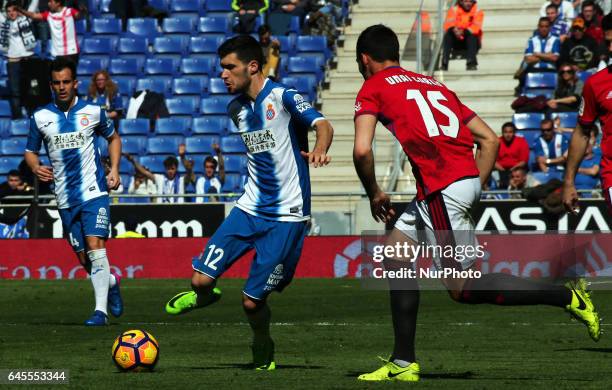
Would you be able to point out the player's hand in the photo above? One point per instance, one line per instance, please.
(316, 158)
(44, 173)
(113, 179)
(381, 208)
(569, 196)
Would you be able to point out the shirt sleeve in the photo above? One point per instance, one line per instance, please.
(73, 11)
(34, 137)
(537, 148)
(529, 49)
(199, 189)
(106, 127)
(300, 109)
(587, 114)
(596, 156)
(366, 102)
(556, 47)
(524, 150)
(45, 15)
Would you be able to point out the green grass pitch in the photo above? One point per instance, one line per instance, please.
(326, 333)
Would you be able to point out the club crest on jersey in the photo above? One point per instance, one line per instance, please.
(270, 113)
(84, 121)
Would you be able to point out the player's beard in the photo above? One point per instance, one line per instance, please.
(64, 105)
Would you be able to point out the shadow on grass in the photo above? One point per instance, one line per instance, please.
(442, 375)
(589, 349)
(249, 367)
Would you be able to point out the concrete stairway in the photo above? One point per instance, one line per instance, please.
(488, 91)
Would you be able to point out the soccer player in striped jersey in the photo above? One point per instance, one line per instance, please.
(68, 128)
(271, 215)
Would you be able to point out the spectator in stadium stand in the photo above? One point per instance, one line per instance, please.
(61, 20)
(271, 48)
(248, 11)
(105, 92)
(18, 42)
(107, 168)
(560, 27)
(189, 178)
(513, 153)
(463, 26)
(14, 186)
(211, 182)
(170, 183)
(550, 150)
(131, 225)
(291, 7)
(541, 54)
(566, 97)
(592, 21)
(579, 49)
(320, 23)
(519, 180)
(604, 7)
(141, 185)
(587, 176)
(566, 9)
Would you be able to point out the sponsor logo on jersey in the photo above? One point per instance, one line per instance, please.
(275, 277)
(73, 140)
(270, 113)
(102, 219)
(300, 104)
(259, 141)
(84, 121)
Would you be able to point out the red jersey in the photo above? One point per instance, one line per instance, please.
(429, 122)
(597, 103)
(511, 154)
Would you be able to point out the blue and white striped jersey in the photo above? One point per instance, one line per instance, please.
(278, 187)
(70, 140)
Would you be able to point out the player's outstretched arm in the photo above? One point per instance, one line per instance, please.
(114, 152)
(488, 143)
(325, 133)
(577, 148)
(43, 172)
(139, 168)
(29, 14)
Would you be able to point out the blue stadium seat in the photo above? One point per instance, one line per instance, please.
(5, 124)
(83, 87)
(164, 145)
(216, 24)
(88, 66)
(190, 85)
(126, 167)
(567, 119)
(80, 26)
(178, 25)
(190, 6)
(170, 44)
(105, 6)
(173, 126)
(157, 84)
(305, 65)
(133, 144)
(287, 44)
(204, 44)
(159, 4)
(216, 86)
(103, 59)
(128, 66)
(233, 144)
(198, 162)
(99, 45)
(235, 163)
(294, 25)
(546, 92)
(159, 66)
(305, 85)
(19, 127)
(209, 125)
(8, 163)
(585, 74)
(219, 5)
(14, 146)
(201, 144)
(233, 183)
(154, 164)
(106, 26)
(142, 27)
(138, 126)
(311, 43)
(214, 105)
(126, 86)
(5, 109)
(527, 121)
(541, 80)
(196, 66)
(184, 105)
(529, 135)
(132, 45)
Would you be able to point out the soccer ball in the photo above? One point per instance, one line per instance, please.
(135, 350)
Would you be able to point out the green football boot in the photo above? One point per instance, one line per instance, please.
(186, 301)
(582, 308)
(263, 356)
(392, 372)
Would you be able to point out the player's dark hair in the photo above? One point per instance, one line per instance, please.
(379, 42)
(12, 3)
(587, 3)
(606, 22)
(61, 63)
(509, 124)
(61, 2)
(246, 47)
(263, 29)
(546, 122)
(210, 159)
(519, 169)
(544, 19)
(551, 5)
(170, 161)
(13, 173)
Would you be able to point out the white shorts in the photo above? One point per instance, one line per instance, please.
(444, 218)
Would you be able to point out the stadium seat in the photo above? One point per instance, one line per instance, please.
(236, 163)
(215, 105)
(88, 66)
(170, 44)
(190, 6)
(287, 44)
(529, 135)
(218, 24)
(233, 144)
(132, 45)
(125, 66)
(216, 86)
(233, 183)
(306, 65)
(106, 26)
(527, 121)
(19, 127)
(198, 162)
(156, 84)
(103, 59)
(184, 105)
(164, 145)
(7, 163)
(304, 84)
(294, 25)
(14, 146)
(204, 44)
(209, 125)
(196, 66)
(126, 167)
(99, 45)
(80, 27)
(142, 27)
(190, 85)
(567, 119)
(139, 126)
(5, 109)
(155, 66)
(154, 164)
(173, 126)
(178, 25)
(219, 5)
(83, 87)
(546, 92)
(585, 74)
(134, 144)
(5, 124)
(311, 43)
(159, 4)
(541, 80)
(201, 144)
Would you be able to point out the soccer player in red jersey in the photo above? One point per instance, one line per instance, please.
(437, 132)
(596, 103)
